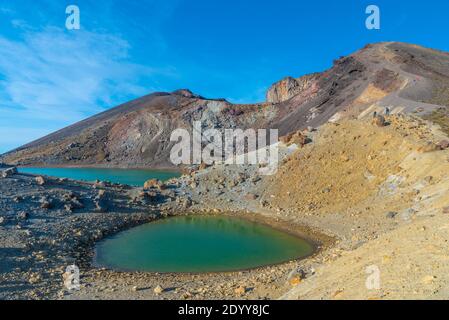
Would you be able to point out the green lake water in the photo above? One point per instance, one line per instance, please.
(133, 177)
(199, 244)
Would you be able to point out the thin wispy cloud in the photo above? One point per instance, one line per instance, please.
(51, 77)
(59, 75)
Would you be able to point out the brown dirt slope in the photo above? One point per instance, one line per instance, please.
(383, 192)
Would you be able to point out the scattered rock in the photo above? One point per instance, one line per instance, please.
(255, 179)
(295, 281)
(153, 183)
(40, 180)
(408, 214)
(296, 276)
(158, 290)
(391, 215)
(264, 203)
(101, 194)
(240, 290)
(379, 121)
(22, 215)
(2, 220)
(429, 147)
(45, 203)
(98, 184)
(446, 210)
(101, 206)
(443, 145)
(297, 138)
(428, 179)
(68, 207)
(250, 196)
(34, 278)
(76, 204)
(9, 172)
(187, 203)
(428, 279)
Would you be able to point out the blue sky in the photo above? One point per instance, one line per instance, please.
(51, 77)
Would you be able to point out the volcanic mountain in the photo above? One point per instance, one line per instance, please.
(405, 78)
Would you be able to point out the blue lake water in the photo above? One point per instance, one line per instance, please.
(133, 177)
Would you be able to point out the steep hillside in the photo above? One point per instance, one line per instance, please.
(404, 77)
(380, 193)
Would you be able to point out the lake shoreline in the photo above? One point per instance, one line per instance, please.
(72, 236)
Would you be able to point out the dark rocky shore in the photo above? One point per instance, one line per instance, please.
(47, 224)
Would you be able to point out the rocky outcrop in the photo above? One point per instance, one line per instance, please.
(289, 87)
(137, 133)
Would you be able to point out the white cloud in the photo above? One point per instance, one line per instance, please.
(52, 78)
(57, 74)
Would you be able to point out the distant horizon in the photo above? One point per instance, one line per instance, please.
(51, 77)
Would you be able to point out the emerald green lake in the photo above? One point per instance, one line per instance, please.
(132, 177)
(199, 244)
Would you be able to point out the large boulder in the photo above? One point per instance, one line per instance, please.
(289, 87)
(153, 184)
(8, 172)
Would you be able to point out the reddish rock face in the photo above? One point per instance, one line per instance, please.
(289, 87)
(137, 133)
(443, 145)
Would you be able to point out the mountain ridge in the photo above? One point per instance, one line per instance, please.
(404, 77)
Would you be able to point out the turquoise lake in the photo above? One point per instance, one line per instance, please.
(197, 244)
(132, 177)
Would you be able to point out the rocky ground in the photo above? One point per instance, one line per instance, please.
(372, 194)
(48, 224)
(368, 194)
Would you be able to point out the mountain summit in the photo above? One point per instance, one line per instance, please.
(404, 77)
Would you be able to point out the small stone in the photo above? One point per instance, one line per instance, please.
(34, 278)
(98, 184)
(428, 279)
(240, 290)
(295, 281)
(2, 220)
(152, 183)
(101, 194)
(100, 207)
(22, 215)
(9, 172)
(45, 204)
(186, 295)
(443, 145)
(158, 290)
(40, 180)
(379, 121)
(428, 179)
(250, 196)
(391, 215)
(446, 210)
